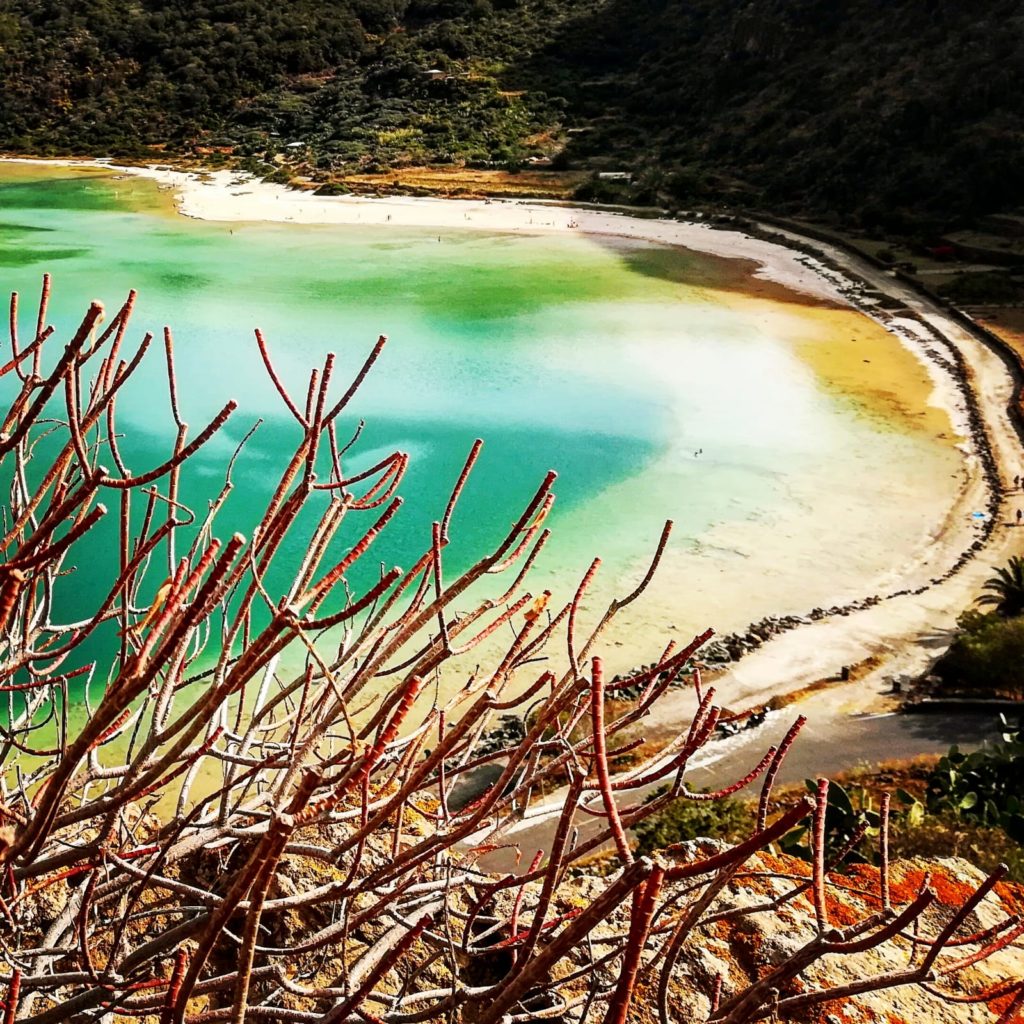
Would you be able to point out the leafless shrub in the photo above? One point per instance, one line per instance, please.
(320, 871)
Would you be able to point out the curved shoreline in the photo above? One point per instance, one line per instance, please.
(790, 260)
(731, 647)
(798, 263)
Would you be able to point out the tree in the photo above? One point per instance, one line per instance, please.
(1007, 588)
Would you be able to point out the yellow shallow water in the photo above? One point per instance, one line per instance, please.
(857, 358)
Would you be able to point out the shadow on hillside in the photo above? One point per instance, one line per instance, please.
(900, 114)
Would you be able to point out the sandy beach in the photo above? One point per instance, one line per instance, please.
(905, 632)
(233, 196)
(227, 196)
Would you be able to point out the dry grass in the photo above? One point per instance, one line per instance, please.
(467, 182)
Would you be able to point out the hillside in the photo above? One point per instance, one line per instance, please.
(905, 115)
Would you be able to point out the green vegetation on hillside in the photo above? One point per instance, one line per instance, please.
(900, 116)
(346, 85)
(985, 787)
(987, 658)
(964, 805)
(683, 820)
(893, 114)
(972, 805)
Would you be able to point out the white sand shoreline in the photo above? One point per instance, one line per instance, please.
(893, 629)
(238, 197)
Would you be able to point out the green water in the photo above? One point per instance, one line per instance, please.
(560, 351)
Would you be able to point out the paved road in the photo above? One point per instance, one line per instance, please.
(828, 744)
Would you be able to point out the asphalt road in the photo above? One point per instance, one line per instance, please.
(827, 745)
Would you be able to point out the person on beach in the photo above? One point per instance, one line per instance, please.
(1016, 482)
(1020, 516)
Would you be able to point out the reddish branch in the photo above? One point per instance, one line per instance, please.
(268, 742)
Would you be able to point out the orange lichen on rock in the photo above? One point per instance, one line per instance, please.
(1001, 1004)
(951, 891)
(782, 864)
(764, 925)
(844, 911)
(1011, 895)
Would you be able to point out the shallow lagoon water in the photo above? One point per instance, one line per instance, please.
(612, 361)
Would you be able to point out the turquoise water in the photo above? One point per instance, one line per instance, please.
(560, 351)
(464, 358)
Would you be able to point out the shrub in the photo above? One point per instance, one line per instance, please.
(602, 190)
(281, 715)
(333, 188)
(985, 787)
(683, 820)
(282, 176)
(851, 827)
(984, 287)
(988, 657)
(949, 835)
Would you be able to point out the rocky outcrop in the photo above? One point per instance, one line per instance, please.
(753, 927)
